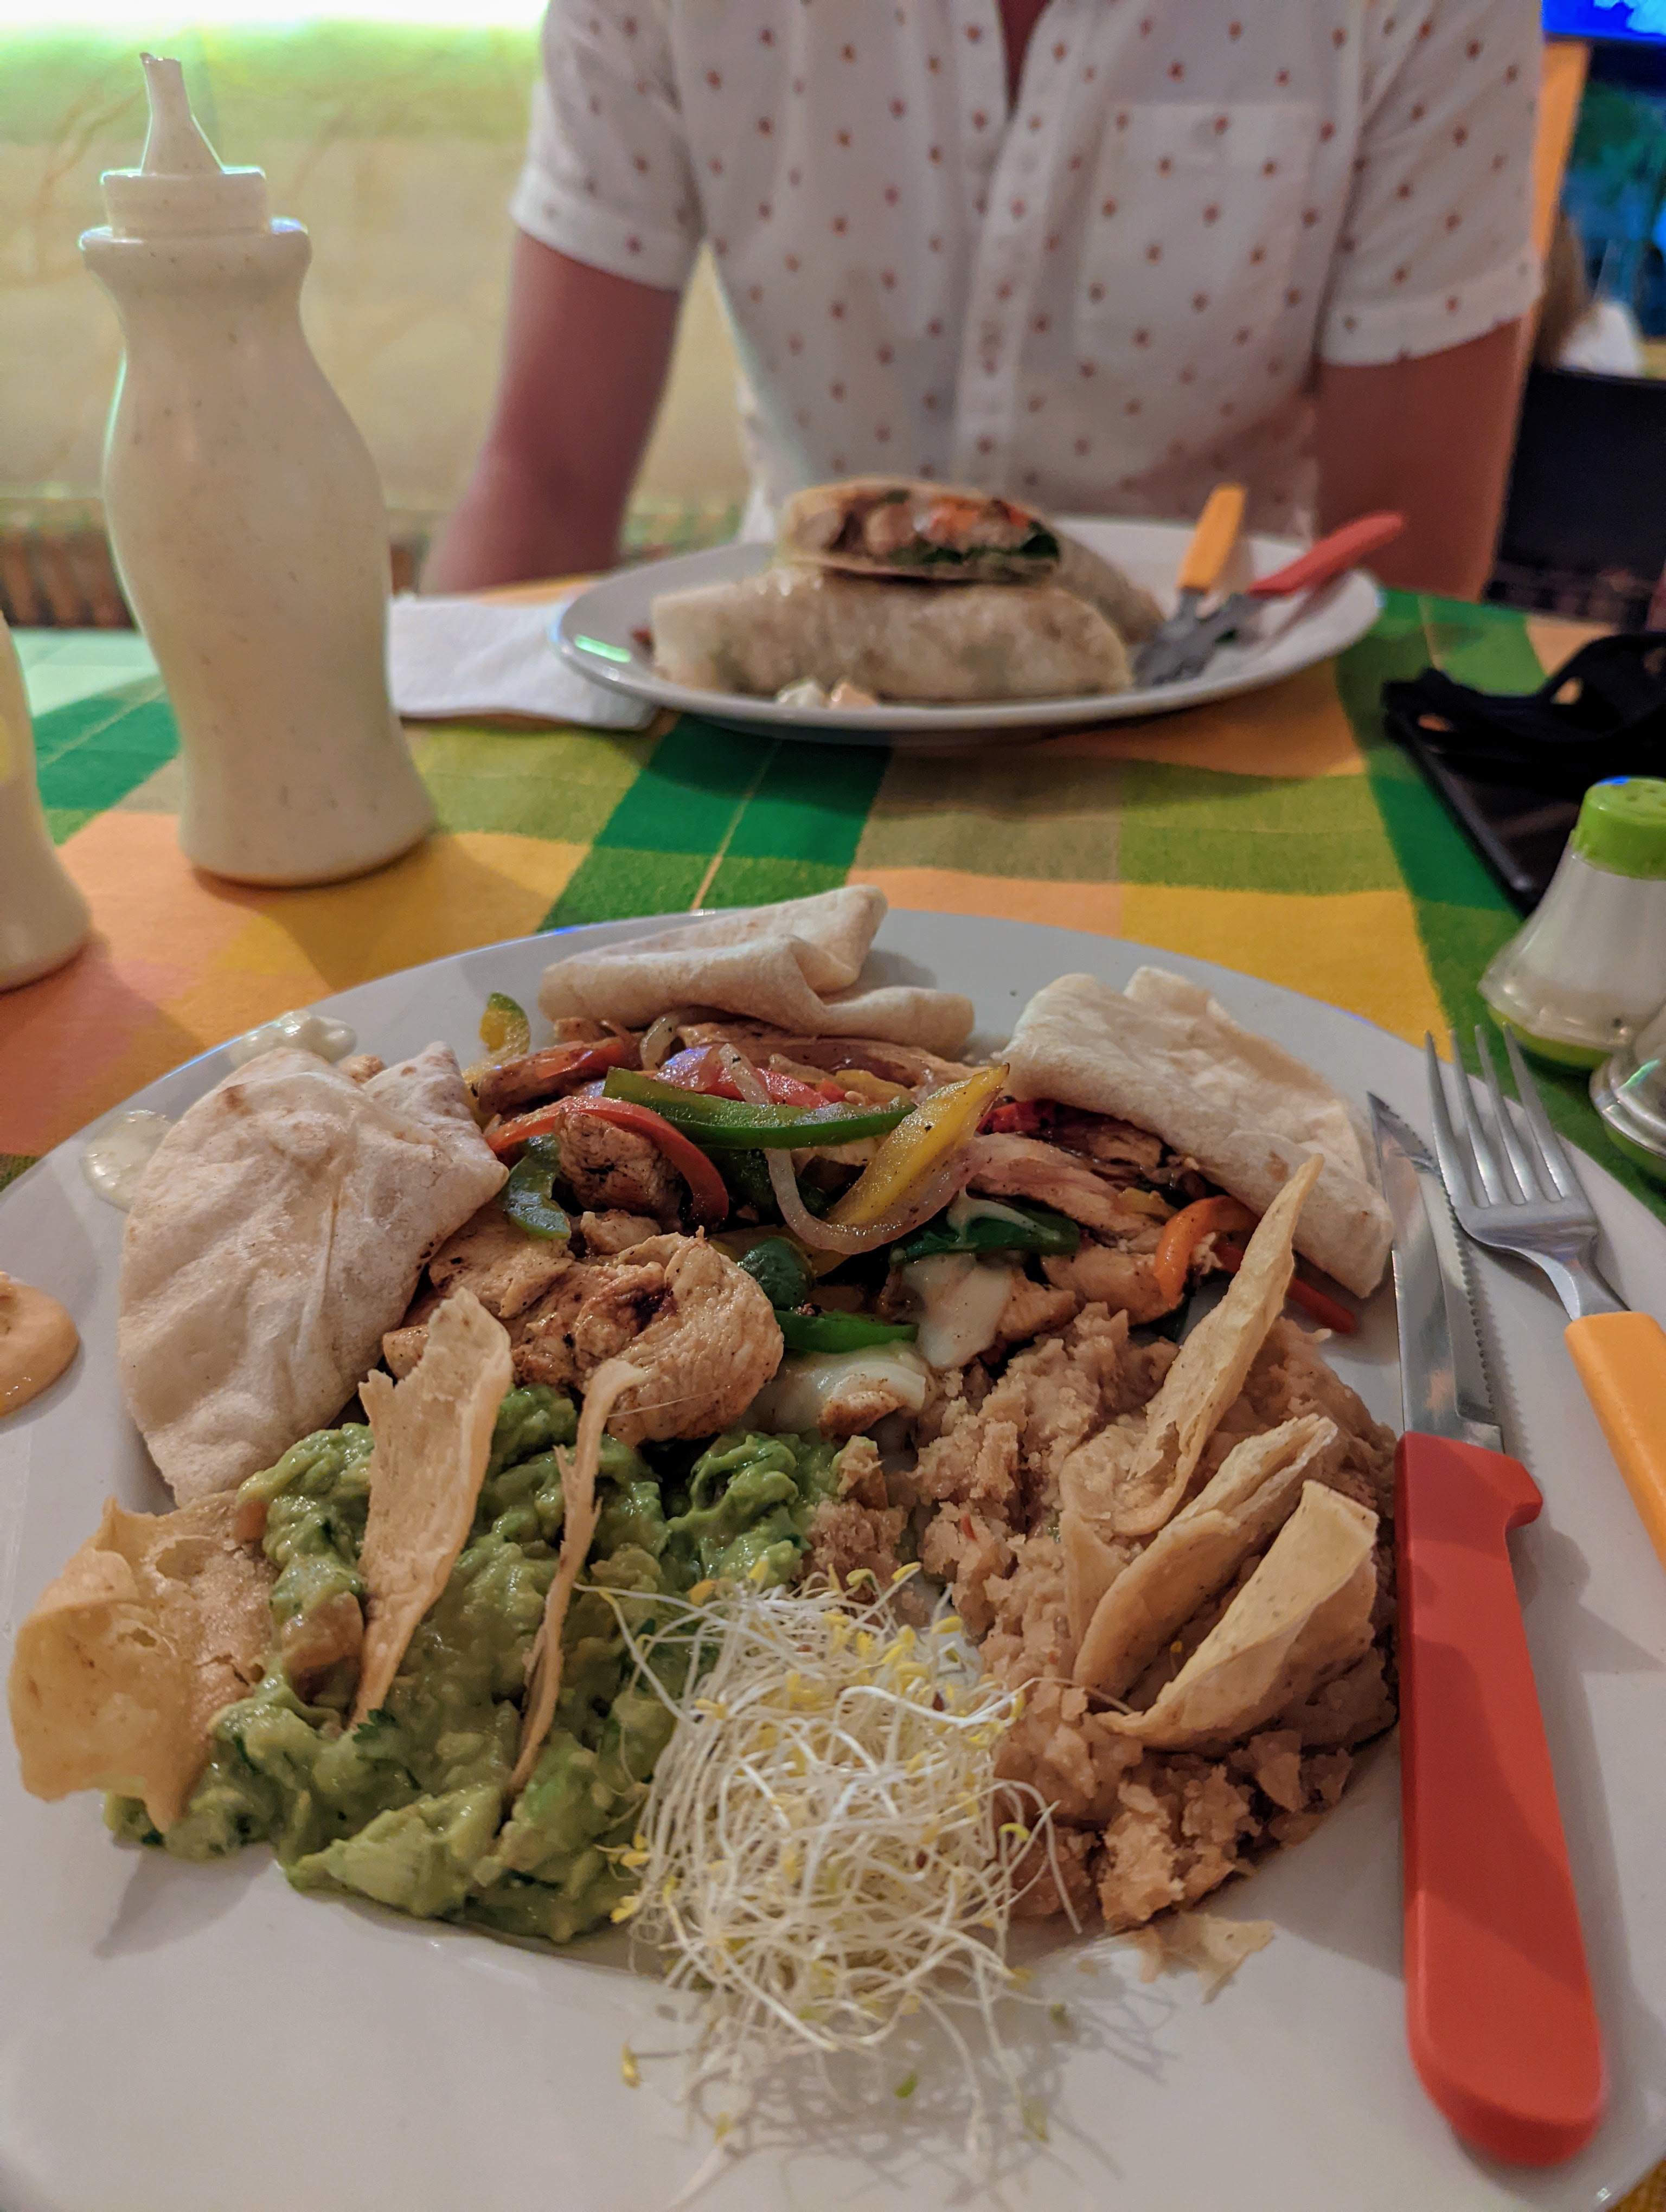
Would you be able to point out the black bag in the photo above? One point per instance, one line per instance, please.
(1513, 766)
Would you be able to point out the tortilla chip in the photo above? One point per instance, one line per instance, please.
(1198, 1552)
(1303, 1616)
(157, 1623)
(791, 965)
(1214, 1947)
(1131, 1476)
(578, 1485)
(433, 1438)
(280, 1229)
(1166, 1056)
(1091, 1567)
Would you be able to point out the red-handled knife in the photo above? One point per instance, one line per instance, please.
(1498, 2009)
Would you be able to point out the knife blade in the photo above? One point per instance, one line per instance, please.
(1500, 2020)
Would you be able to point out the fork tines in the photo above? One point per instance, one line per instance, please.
(1491, 1162)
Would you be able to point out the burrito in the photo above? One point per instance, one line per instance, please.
(898, 641)
(900, 526)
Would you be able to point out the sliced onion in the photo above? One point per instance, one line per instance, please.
(924, 1198)
(659, 1037)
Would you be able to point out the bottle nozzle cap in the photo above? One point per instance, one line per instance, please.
(1622, 827)
(181, 188)
(173, 145)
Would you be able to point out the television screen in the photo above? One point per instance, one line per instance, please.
(1606, 19)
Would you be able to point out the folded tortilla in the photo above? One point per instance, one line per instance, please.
(794, 965)
(951, 534)
(280, 1229)
(1166, 1056)
(908, 642)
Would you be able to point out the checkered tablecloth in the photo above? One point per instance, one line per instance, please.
(1279, 832)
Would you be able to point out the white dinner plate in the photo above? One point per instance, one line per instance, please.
(179, 2039)
(600, 634)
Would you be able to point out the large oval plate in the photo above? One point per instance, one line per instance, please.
(598, 634)
(203, 2039)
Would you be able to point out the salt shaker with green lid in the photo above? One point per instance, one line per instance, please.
(1590, 964)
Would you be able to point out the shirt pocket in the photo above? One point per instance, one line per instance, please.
(1191, 234)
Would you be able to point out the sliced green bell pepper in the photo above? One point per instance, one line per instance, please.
(779, 1270)
(528, 1196)
(841, 1332)
(1041, 1230)
(736, 1125)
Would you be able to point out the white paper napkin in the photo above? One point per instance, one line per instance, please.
(461, 656)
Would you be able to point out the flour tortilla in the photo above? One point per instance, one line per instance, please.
(794, 965)
(1197, 1553)
(1303, 1617)
(432, 1435)
(280, 1229)
(1166, 1056)
(919, 643)
(811, 519)
(157, 1624)
(1131, 1477)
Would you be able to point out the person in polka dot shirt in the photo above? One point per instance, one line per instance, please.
(1098, 254)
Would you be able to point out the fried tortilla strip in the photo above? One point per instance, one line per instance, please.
(1253, 1495)
(1129, 1480)
(1303, 1616)
(578, 1485)
(157, 1623)
(433, 1438)
(1211, 1946)
(1091, 1567)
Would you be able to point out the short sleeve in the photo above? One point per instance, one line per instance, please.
(607, 179)
(1437, 245)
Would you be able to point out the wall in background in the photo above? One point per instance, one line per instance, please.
(397, 147)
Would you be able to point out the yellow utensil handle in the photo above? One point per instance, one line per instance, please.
(1213, 541)
(1621, 1360)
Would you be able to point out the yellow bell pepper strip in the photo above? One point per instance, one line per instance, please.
(938, 1127)
(505, 1031)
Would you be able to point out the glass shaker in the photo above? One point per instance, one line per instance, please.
(43, 917)
(1589, 964)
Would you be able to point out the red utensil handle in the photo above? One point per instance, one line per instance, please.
(1332, 556)
(1498, 2009)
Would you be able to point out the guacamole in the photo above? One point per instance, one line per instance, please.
(409, 1807)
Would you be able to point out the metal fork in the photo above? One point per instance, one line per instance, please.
(1516, 1198)
(1525, 1197)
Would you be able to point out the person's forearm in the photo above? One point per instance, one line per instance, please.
(512, 526)
(1431, 437)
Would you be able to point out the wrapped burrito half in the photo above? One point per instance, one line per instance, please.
(901, 527)
(897, 640)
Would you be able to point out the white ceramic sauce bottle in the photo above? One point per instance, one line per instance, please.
(247, 523)
(43, 917)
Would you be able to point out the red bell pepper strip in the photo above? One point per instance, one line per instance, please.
(700, 1069)
(1020, 1117)
(554, 1067)
(708, 1194)
(1180, 1237)
(1329, 1312)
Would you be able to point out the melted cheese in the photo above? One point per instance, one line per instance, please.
(961, 1301)
(792, 1401)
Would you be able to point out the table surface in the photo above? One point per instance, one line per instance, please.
(1281, 833)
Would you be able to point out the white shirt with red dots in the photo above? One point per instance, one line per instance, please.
(1105, 297)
